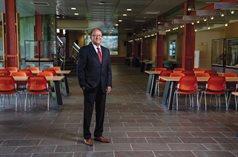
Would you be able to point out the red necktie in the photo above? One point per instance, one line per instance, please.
(99, 55)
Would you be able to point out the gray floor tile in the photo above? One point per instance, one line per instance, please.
(174, 154)
(93, 154)
(134, 154)
(154, 146)
(213, 154)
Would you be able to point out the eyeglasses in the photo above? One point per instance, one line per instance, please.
(99, 36)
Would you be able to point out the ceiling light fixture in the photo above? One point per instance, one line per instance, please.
(76, 13)
(73, 8)
(212, 18)
(128, 9)
(226, 24)
(120, 20)
(232, 12)
(124, 14)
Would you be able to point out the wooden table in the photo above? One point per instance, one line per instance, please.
(55, 79)
(151, 81)
(171, 83)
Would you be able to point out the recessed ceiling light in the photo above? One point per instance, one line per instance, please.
(76, 13)
(119, 20)
(128, 9)
(73, 8)
(116, 24)
(124, 14)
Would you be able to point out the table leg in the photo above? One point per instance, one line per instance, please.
(66, 85)
(58, 93)
(166, 92)
(149, 83)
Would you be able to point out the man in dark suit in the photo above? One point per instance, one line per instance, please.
(95, 79)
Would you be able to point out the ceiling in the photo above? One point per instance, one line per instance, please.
(106, 13)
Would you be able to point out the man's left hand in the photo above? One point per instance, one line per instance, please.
(109, 89)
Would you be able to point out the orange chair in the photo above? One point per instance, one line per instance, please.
(8, 87)
(176, 74)
(199, 69)
(211, 72)
(202, 74)
(189, 73)
(187, 85)
(216, 85)
(178, 70)
(12, 69)
(27, 71)
(46, 73)
(37, 85)
(55, 68)
(4, 72)
(21, 85)
(229, 74)
(160, 69)
(51, 71)
(160, 81)
(33, 69)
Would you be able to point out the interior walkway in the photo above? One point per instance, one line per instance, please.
(138, 125)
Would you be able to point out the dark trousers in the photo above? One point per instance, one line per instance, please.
(91, 97)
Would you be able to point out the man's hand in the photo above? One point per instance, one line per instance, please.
(109, 89)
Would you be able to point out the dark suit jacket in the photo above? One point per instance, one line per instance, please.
(91, 72)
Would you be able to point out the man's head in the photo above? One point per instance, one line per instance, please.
(96, 36)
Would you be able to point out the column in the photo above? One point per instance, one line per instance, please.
(188, 45)
(11, 44)
(160, 50)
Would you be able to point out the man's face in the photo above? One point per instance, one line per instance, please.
(96, 37)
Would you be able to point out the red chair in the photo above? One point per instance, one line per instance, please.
(160, 69)
(178, 70)
(21, 85)
(46, 73)
(211, 72)
(37, 85)
(187, 85)
(216, 85)
(51, 71)
(229, 74)
(160, 81)
(176, 74)
(189, 73)
(27, 71)
(8, 87)
(12, 69)
(55, 68)
(4, 72)
(33, 69)
(202, 75)
(201, 70)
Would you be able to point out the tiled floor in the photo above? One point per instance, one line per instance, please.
(138, 125)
